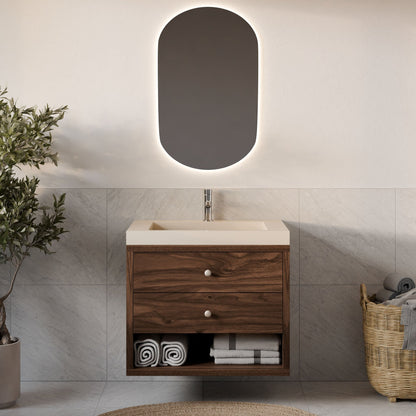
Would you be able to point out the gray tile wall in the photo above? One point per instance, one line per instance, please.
(69, 308)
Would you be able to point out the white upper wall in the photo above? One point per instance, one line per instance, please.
(337, 90)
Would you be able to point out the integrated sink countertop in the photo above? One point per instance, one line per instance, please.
(207, 233)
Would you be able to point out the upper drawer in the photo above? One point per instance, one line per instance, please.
(187, 271)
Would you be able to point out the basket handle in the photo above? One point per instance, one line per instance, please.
(364, 298)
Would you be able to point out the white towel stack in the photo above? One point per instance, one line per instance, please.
(246, 349)
(394, 285)
(153, 350)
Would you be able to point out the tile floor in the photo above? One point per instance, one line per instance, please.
(93, 398)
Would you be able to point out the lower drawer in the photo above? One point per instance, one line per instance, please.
(185, 312)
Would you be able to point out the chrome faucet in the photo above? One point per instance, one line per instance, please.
(208, 205)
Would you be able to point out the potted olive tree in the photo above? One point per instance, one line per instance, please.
(25, 139)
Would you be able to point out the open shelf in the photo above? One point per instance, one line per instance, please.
(199, 363)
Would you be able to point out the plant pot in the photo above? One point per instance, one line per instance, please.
(10, 374)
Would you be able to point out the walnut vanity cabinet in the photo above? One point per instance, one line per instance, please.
(242, 289)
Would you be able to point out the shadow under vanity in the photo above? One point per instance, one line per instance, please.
(243, 283)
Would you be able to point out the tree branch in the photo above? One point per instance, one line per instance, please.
(3, 298)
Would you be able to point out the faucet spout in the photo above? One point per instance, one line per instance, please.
(208, 205)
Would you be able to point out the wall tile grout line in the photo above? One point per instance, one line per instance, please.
(395, 229)
(106, 280)
(10, 302)
(300, 286)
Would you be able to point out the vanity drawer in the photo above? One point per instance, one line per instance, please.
(184, 312)
(231, 271)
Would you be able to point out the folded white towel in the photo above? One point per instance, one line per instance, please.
(401, 299)
(174, 349)
(247, 342)
(243, 353)
(260, 360)
(147, 351)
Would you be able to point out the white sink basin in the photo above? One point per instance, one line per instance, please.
(207, 233)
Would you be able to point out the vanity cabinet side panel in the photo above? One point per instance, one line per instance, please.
(286, 310)
(129, 309)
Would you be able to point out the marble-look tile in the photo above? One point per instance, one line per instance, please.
(331, 338)
(121, 394)
(63, 331)
(116, 333)
(347, 236)
(406, 231)
(283, 393)
(48, 412)
(127, 205)
(5, 273)
(80, 255)
(59, 395)
(294, 333)
(350, 399)
(263, 204)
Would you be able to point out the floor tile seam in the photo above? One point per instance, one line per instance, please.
(101, 395)
(254, 381)
(328, 284)
(149, 381)
(336, 381)
(304, 395)
(59, 284)
(64, 381)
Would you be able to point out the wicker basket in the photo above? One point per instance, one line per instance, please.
(390, 369)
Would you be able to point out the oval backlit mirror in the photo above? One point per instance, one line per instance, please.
(208, 88)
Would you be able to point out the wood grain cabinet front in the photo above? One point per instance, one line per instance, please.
(208, 271)
(206, 290)
(227, 312)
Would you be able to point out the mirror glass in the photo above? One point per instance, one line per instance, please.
(208, 88)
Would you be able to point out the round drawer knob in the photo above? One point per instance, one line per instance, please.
(207, 273)
(207, 314)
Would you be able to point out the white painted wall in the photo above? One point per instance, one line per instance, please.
(337, 104)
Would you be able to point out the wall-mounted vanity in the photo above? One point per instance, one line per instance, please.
(203, 278)
(169, 289)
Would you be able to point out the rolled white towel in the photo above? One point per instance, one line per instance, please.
(147, 351)
(174, 350)
(243, 353)
(259, 360)
(398, 283)
(247, 342)
(385, 294)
